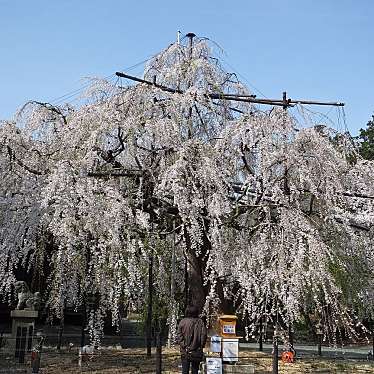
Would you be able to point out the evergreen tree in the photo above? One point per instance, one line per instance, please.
(366, 138)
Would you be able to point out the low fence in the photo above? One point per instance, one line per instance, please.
(112, 356)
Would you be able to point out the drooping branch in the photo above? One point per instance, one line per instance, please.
(49, 107)
(22, 164)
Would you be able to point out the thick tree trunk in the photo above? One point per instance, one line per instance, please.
(196, 291)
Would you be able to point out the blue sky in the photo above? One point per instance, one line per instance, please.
(321, 49)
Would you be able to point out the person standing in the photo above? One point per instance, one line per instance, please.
(191, 335)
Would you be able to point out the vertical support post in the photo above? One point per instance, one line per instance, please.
(319, 338)
(319, 345)
(190, 36)
(158, 353)
(60, 332)
(171, 334)
(290, 336)
(150, 302)
(260, 340)
(84, 321)
(275, 351)
(84, 296)
(285, 103)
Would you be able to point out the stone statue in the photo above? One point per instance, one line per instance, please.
(26, 299)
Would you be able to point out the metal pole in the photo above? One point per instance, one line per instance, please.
(172, 292)
(275, 352)
(260, 340)
(190, 35)
(150, 302)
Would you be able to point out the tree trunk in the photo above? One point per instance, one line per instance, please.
(196, 291)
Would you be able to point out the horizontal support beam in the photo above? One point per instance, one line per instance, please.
(213, 96)
(234, 97)
(309, 102)
(136, 79)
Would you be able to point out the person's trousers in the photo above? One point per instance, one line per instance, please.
(186, 365)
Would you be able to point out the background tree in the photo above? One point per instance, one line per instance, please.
(366, 139)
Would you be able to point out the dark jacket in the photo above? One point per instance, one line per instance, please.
(191, 335)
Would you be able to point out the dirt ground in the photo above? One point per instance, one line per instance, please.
(134, 361)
